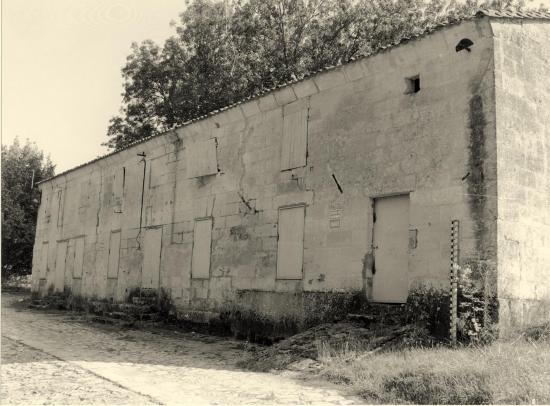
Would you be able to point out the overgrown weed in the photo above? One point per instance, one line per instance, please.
(502, 372)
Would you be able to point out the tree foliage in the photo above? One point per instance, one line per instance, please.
(22, 167)
(224, 51)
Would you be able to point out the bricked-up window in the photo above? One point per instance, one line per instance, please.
(157, 171)
(43, 271)
(294, 148)
(84, 194)
(60, 207)
(46, 203)
(201, 158)
(202, 241)
(114, 255)
(290, 249)
(120, 180)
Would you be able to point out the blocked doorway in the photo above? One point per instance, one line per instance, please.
(391, 249)
(152, 245)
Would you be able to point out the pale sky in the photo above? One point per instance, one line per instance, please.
(61, 62)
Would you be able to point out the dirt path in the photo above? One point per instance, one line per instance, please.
(47, 359)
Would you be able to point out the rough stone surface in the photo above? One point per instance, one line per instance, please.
(464, 148)
(522, 63)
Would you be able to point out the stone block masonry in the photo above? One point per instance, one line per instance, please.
(334, 147)
(522, 63)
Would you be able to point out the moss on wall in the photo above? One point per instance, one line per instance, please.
(264, 316)
(477, 188)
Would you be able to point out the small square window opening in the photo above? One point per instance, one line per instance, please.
(413, 84)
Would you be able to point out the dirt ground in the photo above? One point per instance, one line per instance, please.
(53, 358)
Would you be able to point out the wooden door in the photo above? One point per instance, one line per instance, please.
(391, 250)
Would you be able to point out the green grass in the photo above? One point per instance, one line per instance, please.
(504, 372)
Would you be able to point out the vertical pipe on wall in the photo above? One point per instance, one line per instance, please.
(142, 155)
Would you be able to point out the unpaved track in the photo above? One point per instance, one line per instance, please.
(47, 359)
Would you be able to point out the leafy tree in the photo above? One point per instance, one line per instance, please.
(224, 51)
(22, 167)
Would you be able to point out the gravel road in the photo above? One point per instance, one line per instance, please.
(50, 358)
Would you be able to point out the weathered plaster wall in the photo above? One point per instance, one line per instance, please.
(522, 63)
(362, 128)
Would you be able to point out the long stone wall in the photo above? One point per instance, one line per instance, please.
(367, 136)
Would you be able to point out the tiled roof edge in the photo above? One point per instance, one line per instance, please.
(481, 13)
(509, 13)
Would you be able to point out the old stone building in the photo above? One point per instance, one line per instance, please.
(342, 184)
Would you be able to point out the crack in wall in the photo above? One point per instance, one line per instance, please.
(247, 133)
